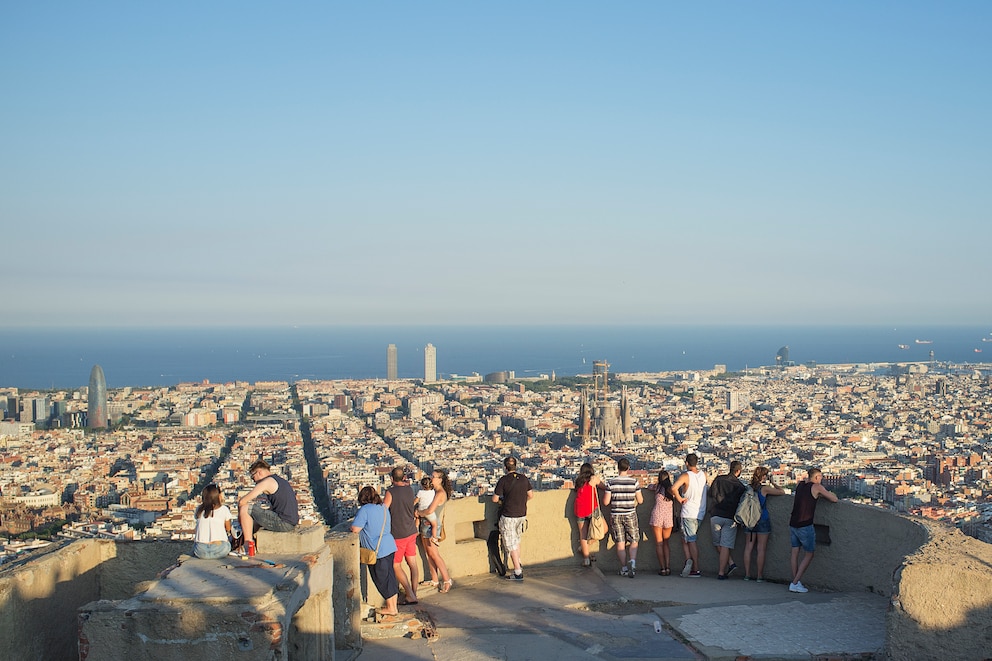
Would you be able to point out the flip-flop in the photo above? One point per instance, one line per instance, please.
(386, 617)
(410, 603)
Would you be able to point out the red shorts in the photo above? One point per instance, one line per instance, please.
(406, 547)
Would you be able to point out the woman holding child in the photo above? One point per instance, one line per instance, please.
(586, 501)
(764, 487)
(431, 531)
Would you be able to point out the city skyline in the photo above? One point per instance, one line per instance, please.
(650, 163)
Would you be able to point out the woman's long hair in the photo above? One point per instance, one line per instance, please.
(368, 495)
(445, 482)
(760, 473)
(664, 487)
(586, 471)
(210, 500)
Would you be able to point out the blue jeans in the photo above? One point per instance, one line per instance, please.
(211, 551)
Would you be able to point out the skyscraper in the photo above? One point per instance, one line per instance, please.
(97, 410)
(391, 372)
(430, 364)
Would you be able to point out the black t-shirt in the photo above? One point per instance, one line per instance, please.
(513, 488)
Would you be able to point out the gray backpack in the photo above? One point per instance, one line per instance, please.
(749, 510)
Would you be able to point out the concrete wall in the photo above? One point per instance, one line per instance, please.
(857, 533)
(942, 603)
(39, 600)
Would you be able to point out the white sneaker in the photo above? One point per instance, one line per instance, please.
(797, 587)
(687, 568)
(623, 570)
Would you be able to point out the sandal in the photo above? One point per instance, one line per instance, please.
(445, 586)
(433, 584)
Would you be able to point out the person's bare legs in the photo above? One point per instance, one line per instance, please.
(390, 607)
(247, 524)
(404, 582)
(748, 547)
(435, 556)
(515, 557)
(724, 560)
(666, 549)
(762, 547)
(411, 562)
(659, 546)
(691, 552)
(622, 554)
(807, 558)
(426, 544)
(583, 542)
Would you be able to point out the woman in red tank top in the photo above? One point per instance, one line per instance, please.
(586, 501)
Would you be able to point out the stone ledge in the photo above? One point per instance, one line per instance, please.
(303, 539)
(216, 608)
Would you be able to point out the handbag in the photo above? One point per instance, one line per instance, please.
(371, 556)
(597, 522)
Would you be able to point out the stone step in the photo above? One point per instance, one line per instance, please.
(419, 624)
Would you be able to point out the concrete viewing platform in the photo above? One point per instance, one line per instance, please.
(562, 613)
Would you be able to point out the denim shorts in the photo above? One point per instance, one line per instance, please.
(763, 527)
(269, 520)
(805, 537)
(214, 551)
(690, 529)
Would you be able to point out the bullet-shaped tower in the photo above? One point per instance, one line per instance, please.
(97, 410)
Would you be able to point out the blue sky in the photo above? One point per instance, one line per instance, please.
(450, 162)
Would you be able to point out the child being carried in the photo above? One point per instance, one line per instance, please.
(428, 521)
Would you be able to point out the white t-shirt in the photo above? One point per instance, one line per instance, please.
(424, 499)
(212, 528)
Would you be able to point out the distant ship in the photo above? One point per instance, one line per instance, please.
(978, 351)
(924, 341)
(903, 346)
(987, 339)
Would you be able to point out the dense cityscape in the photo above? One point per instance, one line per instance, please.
(129, 463)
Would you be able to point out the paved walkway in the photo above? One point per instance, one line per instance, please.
(562, 613)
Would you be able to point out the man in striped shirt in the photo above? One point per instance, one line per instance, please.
(624, 494)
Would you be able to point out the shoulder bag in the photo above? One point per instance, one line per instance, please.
(597, 522)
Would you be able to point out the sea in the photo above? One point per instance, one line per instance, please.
(47, 358)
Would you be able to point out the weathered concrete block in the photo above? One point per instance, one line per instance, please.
(302, 540)
(209, 609)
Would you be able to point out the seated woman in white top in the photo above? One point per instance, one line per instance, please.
(213, 525)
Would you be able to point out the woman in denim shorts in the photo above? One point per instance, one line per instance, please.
(764, 487)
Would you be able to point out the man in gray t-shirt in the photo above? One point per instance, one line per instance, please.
(401, 501)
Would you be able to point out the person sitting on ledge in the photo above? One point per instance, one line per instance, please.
(212, 538)
(283, 512)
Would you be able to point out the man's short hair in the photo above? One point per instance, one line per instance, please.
(813, 472)
(397, 474)
(691, 459)
(261, 463)
(623, 464)
(736, 467)
(510, 464)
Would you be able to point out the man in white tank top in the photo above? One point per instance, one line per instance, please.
(690, 491)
